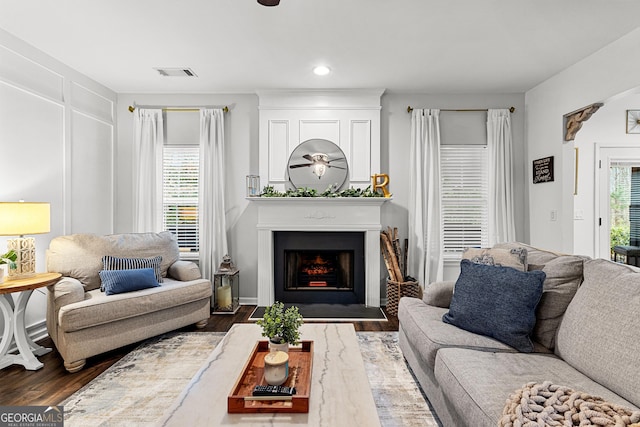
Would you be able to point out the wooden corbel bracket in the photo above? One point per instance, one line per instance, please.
(573, 121)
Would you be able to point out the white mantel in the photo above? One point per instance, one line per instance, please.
(319, 214)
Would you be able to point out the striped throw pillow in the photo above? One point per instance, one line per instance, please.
(114, 263)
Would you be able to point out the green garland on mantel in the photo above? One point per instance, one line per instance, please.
(269, 191)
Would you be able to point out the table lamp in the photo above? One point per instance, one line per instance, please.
(18, 219)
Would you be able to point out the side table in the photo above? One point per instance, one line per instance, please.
(628, 252)
(14, 325)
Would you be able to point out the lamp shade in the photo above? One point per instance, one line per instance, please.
(20, 218)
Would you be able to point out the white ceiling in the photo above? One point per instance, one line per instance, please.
(436, 46)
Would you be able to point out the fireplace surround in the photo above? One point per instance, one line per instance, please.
(317, 214)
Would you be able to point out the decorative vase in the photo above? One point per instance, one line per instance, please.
(278, 346)
(4, 272)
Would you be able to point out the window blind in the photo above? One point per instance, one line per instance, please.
(465, 193)
(180, 194)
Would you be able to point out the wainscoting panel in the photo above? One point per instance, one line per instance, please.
(321, 129)
(87, 101)
(279, 150)
(360, 142)
(91, 175)
(23, 72)
(48, 148)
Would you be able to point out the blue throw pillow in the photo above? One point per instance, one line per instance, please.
(499, 302)
(115, 263)
(121, 281)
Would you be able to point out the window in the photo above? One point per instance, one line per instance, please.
(180, 194)
(465, 195)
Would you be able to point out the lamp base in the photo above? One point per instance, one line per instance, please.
(25, 248)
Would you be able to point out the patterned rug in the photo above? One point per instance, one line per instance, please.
(136, 390)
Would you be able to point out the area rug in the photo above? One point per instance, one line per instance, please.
(136, 390)
(399, 399)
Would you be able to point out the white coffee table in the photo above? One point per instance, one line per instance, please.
(340, 392)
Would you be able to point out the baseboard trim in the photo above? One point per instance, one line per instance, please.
(248, 301)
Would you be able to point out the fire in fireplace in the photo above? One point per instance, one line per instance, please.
(323, 267)
(318, 268)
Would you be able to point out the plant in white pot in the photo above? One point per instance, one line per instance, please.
(281, 326)
(7, 261)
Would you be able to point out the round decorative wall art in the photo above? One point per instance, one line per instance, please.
(317, 164)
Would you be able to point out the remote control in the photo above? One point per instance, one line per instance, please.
(273, 390)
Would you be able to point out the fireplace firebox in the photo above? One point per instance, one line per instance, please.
(319, 267)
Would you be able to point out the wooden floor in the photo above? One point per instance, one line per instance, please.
(52, 384)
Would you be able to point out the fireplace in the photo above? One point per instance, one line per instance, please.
(322, 215)
(319, 267)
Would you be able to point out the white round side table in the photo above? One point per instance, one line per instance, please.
(14, 324)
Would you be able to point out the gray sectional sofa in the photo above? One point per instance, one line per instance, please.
(593, 346)
(83, 321)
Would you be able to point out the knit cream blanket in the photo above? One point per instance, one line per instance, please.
(548, 404)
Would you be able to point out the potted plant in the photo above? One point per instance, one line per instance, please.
(7, 261)
(281, 326)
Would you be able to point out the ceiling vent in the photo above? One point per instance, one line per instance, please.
(176, 72)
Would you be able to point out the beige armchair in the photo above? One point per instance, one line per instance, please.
(83, 321)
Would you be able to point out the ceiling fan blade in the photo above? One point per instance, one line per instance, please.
(334, 160)
(308, 157)
(300, 166)
(337, 167)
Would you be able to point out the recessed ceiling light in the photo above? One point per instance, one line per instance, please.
(321, 70)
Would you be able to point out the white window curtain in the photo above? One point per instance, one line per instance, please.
(212, 224)
(148, 140)
(425, 258)
(501, 203)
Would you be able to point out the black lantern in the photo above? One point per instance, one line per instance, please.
(226, 288)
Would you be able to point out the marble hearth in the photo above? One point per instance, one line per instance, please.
(360, 214)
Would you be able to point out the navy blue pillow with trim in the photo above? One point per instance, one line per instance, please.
(499, 302)
(121, 281)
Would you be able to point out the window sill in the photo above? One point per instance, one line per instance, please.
(190, 256)
(452, 259)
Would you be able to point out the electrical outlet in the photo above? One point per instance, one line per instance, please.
(578, 215)
(554, 215)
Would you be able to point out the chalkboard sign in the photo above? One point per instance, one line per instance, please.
(543, 170)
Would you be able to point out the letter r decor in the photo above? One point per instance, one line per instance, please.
(376, 184)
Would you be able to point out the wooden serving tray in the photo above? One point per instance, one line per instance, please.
(300, 366)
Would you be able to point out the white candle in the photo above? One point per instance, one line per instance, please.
(223, 296)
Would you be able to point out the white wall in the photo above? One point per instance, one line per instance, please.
(606, 128)
(241, 137)
(599, 77)
(57, 141)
